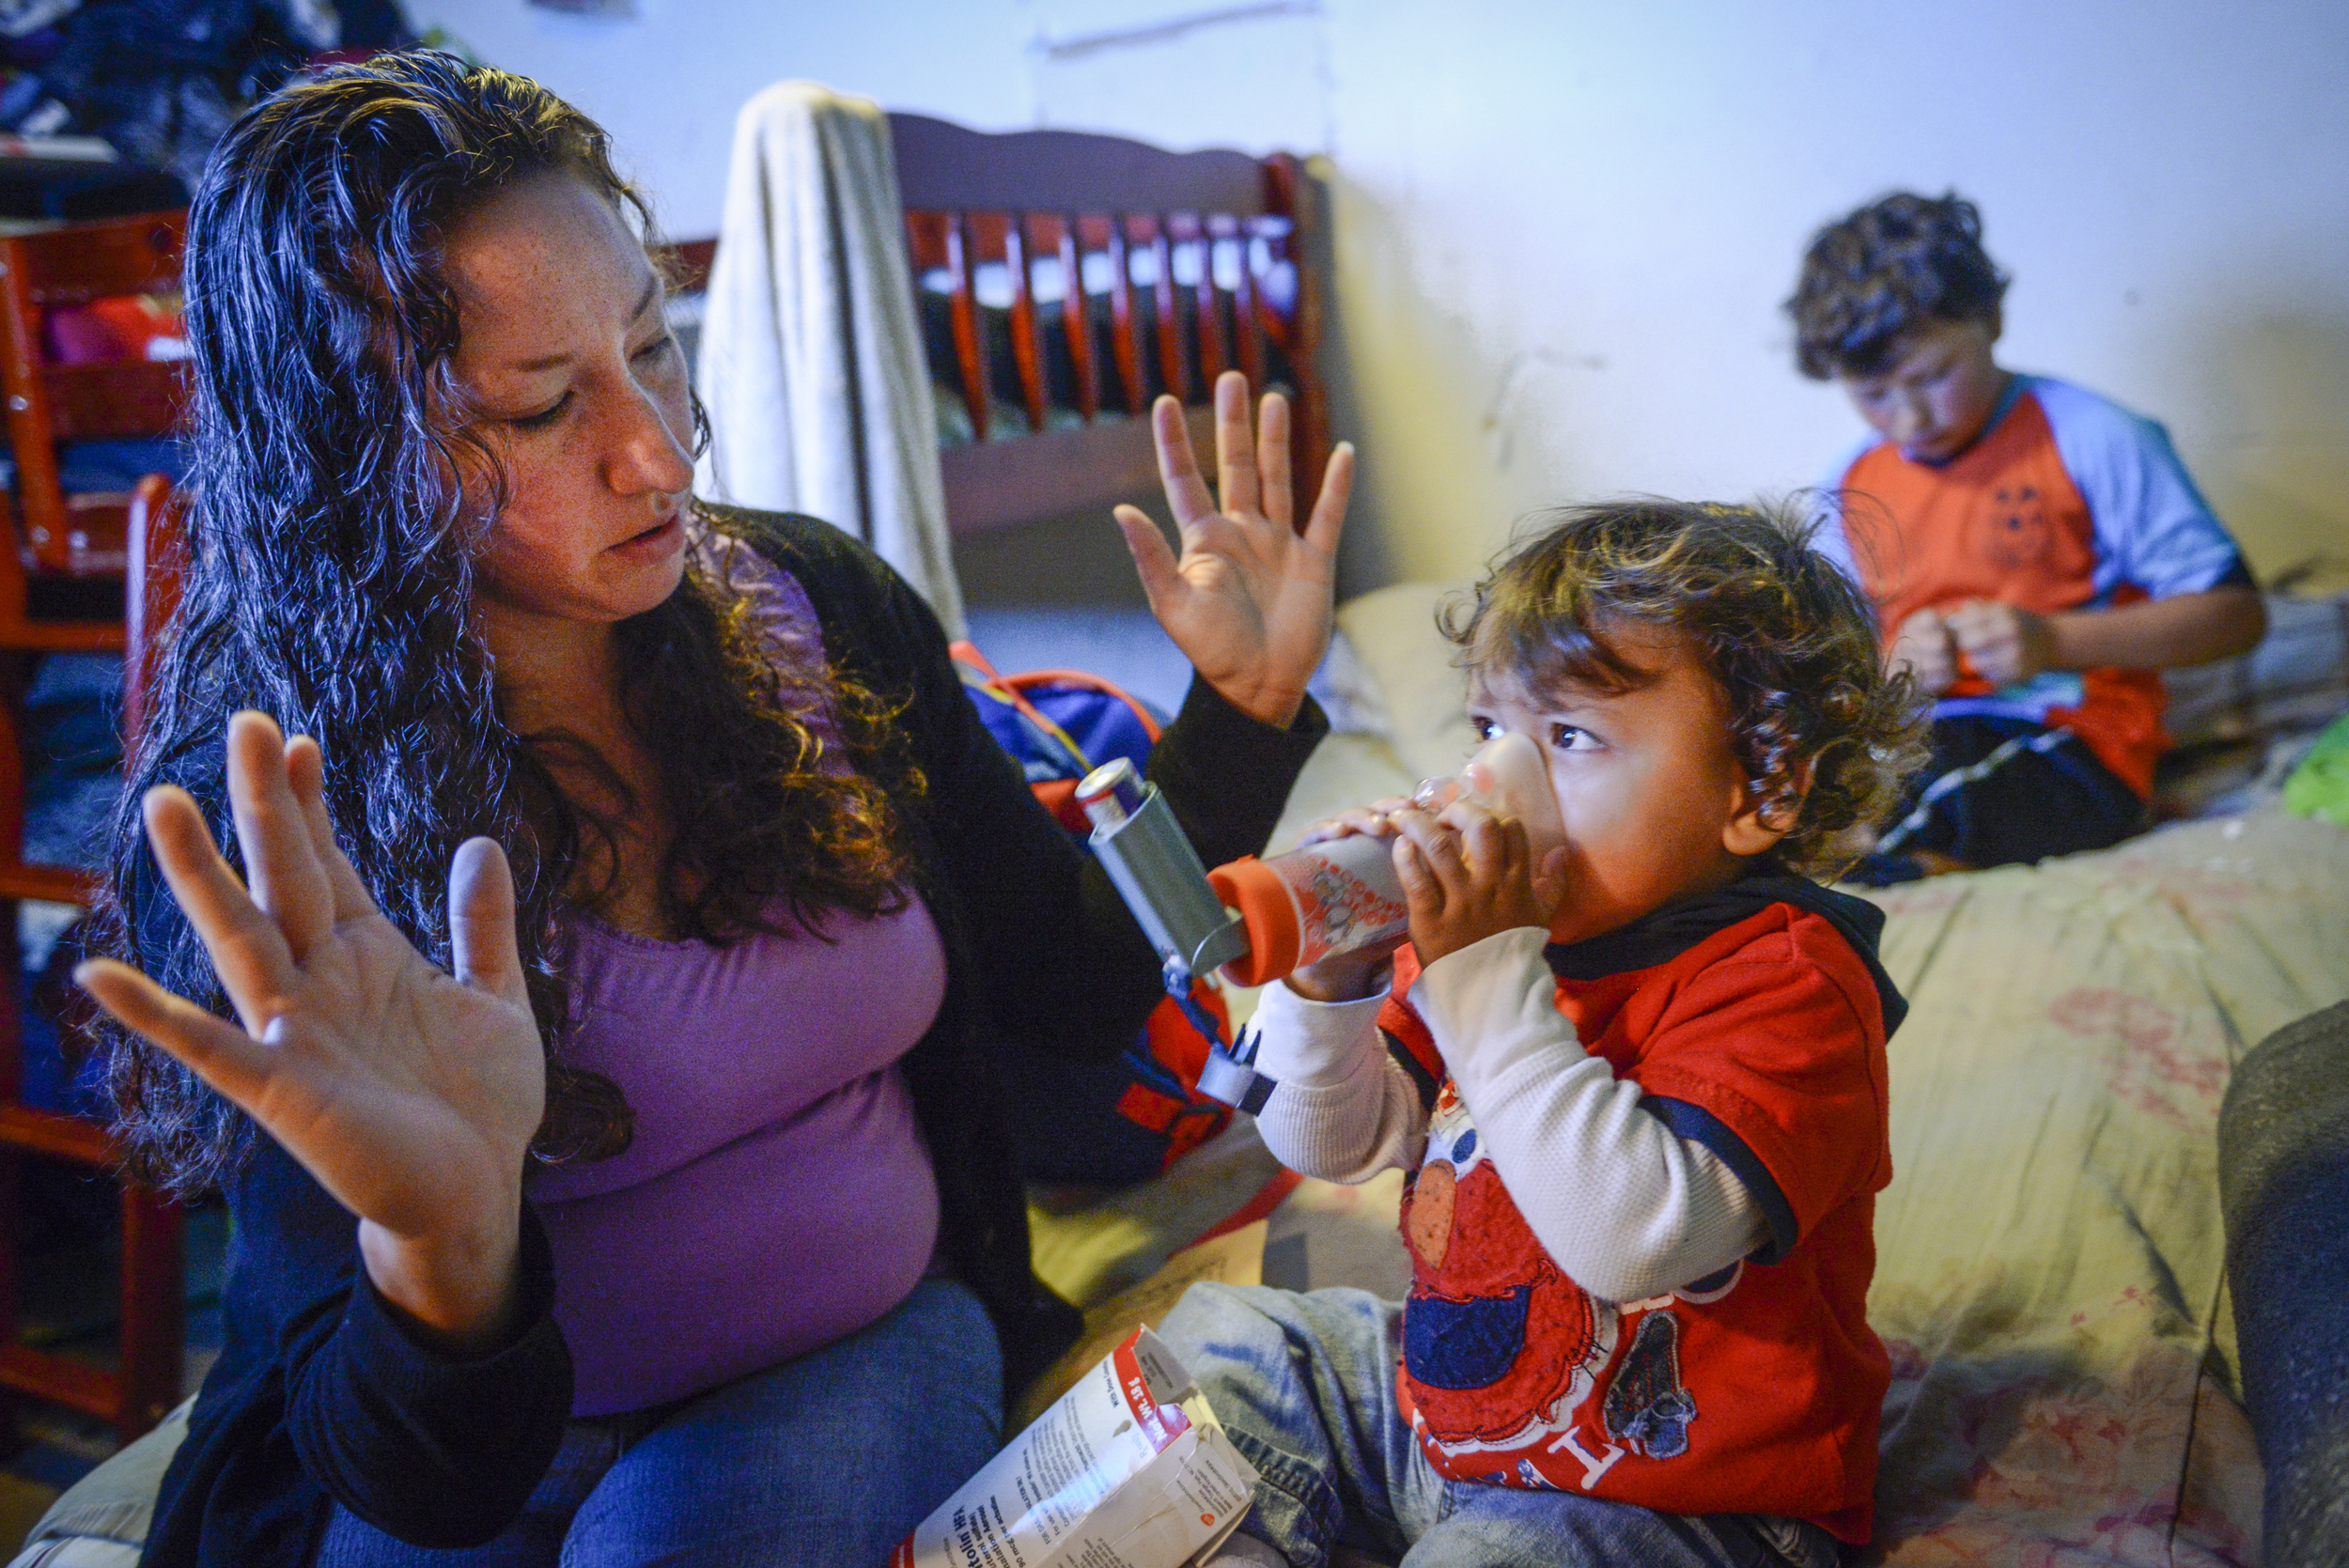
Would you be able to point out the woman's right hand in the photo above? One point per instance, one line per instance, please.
(410, 1093)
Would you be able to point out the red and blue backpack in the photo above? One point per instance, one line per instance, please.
(1127, 1119)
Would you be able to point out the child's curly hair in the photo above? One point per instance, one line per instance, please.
(1875, 276)
(1825, 734)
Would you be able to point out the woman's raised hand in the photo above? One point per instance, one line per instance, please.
(1249, 600)
(410, 1093)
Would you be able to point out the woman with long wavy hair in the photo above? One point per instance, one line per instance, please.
(593, 1032)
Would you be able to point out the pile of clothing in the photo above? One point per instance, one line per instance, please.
(160, 80)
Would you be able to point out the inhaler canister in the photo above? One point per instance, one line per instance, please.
(1157, 871)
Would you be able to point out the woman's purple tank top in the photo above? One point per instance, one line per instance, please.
(778, 1194)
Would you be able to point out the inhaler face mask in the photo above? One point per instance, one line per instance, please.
(1256, 921)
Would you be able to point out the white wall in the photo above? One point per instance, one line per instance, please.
(666, 83)
(1563, 229)
(1578, 220)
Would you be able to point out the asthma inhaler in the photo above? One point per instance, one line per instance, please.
(1157, 873)
(1343, 894)
(1257, 919)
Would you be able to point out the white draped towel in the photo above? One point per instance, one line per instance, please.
(811, 361)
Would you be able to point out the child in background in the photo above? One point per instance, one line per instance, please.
(2037, 554)
(1641, 1087)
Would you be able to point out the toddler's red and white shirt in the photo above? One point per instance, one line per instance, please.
(1757, 1033)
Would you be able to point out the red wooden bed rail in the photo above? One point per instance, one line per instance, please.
(1040, 204)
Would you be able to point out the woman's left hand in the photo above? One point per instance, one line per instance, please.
(1249, 601)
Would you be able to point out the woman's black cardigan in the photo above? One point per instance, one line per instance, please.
(321, 1394)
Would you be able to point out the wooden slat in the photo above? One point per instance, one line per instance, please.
(154, 1311)
(86, 262)
(969, 351)
(56, 884)
(685, 264)
(1287, 195)
(925, 242)
(61, 1380)
(1124, 341)
(1246, 329)
(45, 1133)
(66, 637)
(1172, 369)
(14, 595)
(1027, 335)
(37, 492)
(1076, 319)
(92, 544)
(1206, 311)
(85, 539)
(157, 563)
(1005, 483)
(98, 402)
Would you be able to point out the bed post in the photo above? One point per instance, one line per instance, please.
(1290, 192)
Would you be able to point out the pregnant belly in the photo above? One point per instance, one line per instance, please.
(766, 1247)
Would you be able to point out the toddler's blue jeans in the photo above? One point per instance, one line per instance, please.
(830, 1458)
(1304, 1385)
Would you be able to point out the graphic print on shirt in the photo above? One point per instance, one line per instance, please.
(2016, 532)
(1505, 1360)
(1501, 1347)
(1647, 1407)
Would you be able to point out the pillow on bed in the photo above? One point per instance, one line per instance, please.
(2297, 679)
(1392, 632)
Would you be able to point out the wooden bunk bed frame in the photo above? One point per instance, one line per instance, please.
(1183, 265)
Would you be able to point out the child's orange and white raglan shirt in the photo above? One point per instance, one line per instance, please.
(2066, 501)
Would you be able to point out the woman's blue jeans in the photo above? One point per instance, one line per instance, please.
(829, 1459)
(1304, 1386)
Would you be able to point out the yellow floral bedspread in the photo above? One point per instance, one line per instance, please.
(2050, 1271)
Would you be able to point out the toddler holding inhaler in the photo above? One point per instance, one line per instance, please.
(1641, 1087)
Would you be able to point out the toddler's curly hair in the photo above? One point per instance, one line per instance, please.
(1823, 732)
